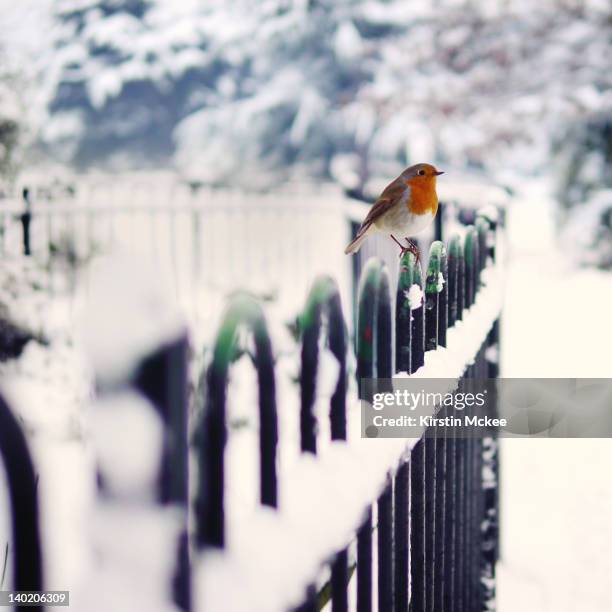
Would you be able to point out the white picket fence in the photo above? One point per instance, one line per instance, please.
(203, 245)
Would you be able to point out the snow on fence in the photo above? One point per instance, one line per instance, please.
(367, 525)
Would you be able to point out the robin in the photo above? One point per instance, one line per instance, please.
(406, 206)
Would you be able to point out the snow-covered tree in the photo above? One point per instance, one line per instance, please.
(122, 75)
(583, 157)
(290, 95)
(11, 123)
(251, 92)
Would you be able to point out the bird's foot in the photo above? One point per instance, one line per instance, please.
(403, 249)
(412, 248)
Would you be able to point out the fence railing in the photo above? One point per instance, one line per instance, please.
(416, 521)
(435, 518)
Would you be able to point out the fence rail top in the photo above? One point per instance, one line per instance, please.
(179, 205)
(317, 196)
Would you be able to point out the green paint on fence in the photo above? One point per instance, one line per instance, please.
(323, 289)
(404, 282)
(405, 271)
(434, 267)
(244, 310)
(454, 247)
(482, 229)
(470, 246)
(417, 274)
(367, 302)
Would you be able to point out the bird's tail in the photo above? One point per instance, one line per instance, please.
(355, 245)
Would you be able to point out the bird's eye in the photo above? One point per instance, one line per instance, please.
(421, 172)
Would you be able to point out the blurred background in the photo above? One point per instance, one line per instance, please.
(250, 95)
(225, 143)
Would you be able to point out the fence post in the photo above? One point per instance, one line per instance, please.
(467, 447)
(403, 315)
(455, 251)
(461, 272)
(324, 298)
(374, 361)
(367, 321)
(441, 450)
(364, 564)
(417, 333)
(409, 317)
(439, 222)
(401, 536)
(26, 549)
(433, 286)
(450, 523)
(403, 330)
(162, 378)
(423, 457)
(471, 265)
(384, 337)
(448, 520)
(212, 430)
(374, 323)
(385, 547)
(26, 220)
(384, 370)
(355, 282)
(417, 526)
(431, 526)
(482, 231)
(491, 483)
(443, 298)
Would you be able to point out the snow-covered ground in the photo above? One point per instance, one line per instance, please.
(556, 494)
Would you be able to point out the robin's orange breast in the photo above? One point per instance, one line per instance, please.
(423, 198)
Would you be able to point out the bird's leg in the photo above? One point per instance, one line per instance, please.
(401, 246)
(413, 248)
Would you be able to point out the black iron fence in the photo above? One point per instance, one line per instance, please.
(428, 541)
(435, 542)
(25, 547)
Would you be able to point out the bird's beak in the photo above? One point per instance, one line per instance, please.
(438, 172)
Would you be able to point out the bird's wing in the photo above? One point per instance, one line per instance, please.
(387, 200)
